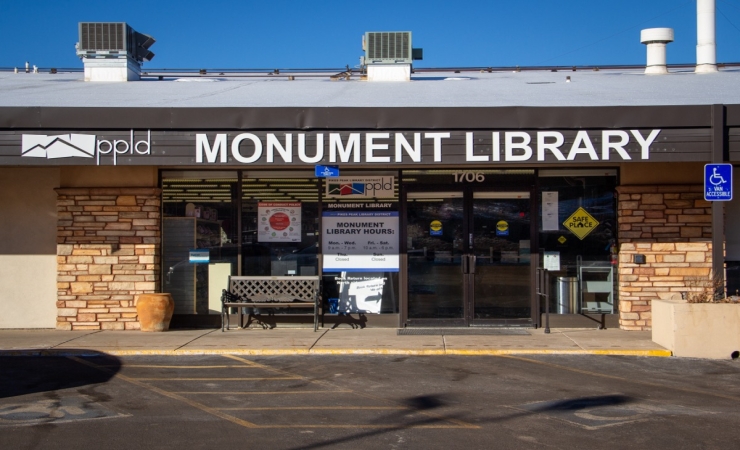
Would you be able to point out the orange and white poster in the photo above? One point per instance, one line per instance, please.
(279, 222)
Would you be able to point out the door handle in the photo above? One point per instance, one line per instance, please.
(468, 264)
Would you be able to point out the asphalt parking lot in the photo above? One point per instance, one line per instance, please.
(313, 402)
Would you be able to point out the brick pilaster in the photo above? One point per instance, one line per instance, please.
(672, 227)
(108, 247)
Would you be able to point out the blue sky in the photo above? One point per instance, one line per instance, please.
(327, 33)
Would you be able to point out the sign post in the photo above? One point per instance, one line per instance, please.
(718, 182)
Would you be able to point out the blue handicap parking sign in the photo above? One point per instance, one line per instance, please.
(718, 182)
(327, 171)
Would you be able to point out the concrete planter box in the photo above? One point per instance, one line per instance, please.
(697, 330)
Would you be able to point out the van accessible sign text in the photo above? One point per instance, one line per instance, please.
(385, 148)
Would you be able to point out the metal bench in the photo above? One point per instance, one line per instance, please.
(270, 292)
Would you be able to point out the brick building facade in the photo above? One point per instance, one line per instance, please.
(671, 227)
(108, 247)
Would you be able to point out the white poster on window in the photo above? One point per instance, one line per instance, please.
(360, 294)
(550, 211)
(279, 222)
(360, 241)
(552, 261)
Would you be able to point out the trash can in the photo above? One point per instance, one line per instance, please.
(567, 295)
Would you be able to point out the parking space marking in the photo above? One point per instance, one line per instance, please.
(316, 408)
(373, 427)
(150, 366)
(593, 413)
(168, 394)
(283, 375)
(456, 422)
(261, 392)
(614, 377)
(216, 379)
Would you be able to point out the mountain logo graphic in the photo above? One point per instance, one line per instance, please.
(58, 146)
(347, 189)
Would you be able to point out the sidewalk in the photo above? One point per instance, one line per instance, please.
(295, 341)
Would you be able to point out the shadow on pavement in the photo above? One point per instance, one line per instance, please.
(21, 375)
(425, 405)
(578, 404)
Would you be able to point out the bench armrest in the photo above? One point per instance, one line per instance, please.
(228, 297)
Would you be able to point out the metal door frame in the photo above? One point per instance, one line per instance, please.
(470, 294)
(468, 280)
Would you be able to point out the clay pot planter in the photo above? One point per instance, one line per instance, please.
(155, 311)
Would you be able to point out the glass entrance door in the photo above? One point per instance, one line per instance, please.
(435, 230)
(468, 258)
(501, 279)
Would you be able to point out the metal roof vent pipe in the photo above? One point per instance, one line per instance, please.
(706, 45)
(656, 40)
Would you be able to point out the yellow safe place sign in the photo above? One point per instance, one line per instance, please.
(581, 223)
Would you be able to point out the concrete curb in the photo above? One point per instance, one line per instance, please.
(332, 351)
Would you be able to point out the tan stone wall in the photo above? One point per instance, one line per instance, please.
(108, 247)
(672, 227)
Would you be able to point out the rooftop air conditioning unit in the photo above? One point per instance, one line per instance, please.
(390, 47)
(113, 40)
(112, 51)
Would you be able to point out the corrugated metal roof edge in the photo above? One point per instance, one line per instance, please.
(246, 72)
(370, 118)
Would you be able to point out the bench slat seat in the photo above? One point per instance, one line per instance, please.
(270, 292)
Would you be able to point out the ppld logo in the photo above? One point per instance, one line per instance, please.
(82, 146)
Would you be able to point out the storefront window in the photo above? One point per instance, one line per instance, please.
(279, 225)
(263, 223)
(199, 238)
(360, 222)
(578, 232)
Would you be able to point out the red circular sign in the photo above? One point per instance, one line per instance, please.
(279, 221)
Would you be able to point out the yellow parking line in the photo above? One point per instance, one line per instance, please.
(507, 352)
(262, 392)
(148, 366)
(614, 377)
(171, 395)
(366, 351)
(218, 379)
(459, 423)
(377, 351)
(244, 423)
(322, 408)
(374, 427)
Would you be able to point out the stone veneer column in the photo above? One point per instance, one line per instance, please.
(672, 227)
(108, 247)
